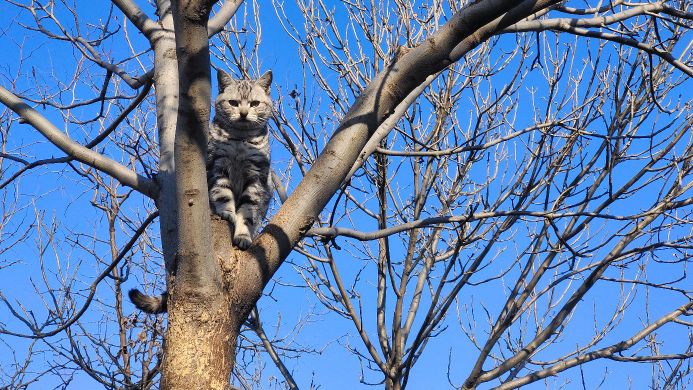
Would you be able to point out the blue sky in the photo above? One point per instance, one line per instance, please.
(57, 193)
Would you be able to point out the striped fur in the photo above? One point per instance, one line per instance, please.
(238, 159)
(148, 304)
(238, 164)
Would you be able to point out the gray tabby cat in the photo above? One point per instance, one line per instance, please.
(238, 157)
(238, 164)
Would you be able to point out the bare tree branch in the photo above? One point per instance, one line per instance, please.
(579, 27)
(331, 232)
(38, 333)
(375, 105)
(137, 17)
(87, 156)
(256, 325)
(607, 352)
(223, 16)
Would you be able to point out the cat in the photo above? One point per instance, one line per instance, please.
(238, 164)
(238, 156)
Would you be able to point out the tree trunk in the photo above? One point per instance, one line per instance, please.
(166, 91)
(199, 344)
(201, 333)
(392, 384)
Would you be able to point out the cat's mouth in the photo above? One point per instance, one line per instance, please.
(246, 122)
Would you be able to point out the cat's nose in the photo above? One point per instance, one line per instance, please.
(243, 112)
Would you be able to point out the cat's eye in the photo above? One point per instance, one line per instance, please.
(233, 103)
(254, 103)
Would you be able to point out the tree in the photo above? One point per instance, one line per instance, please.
(518, 161)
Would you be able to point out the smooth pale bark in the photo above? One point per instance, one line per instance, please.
(123, 174)
(166, 84)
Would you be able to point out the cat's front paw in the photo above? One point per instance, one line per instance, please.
(242, 241)
(228, 215)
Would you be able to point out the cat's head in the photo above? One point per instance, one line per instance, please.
(244, 104)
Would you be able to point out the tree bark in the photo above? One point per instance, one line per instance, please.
(163, 42)
(201, 334)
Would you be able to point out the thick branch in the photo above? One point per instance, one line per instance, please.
(137, 16)
(467, 29)
(196, 268)
(166, 84)
(225, 13)
(80, 153)
(597, 21)
(97, 140)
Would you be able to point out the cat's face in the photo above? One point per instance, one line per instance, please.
(244, 104)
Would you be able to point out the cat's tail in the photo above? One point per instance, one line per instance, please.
(149, 304)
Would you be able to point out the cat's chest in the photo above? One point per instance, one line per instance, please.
(236, 152)
(240, 158)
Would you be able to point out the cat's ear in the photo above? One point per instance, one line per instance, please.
(265, 81)
(223, 79)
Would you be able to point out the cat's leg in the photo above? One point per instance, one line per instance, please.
(222, 200)
(242, 234)
(252, 206)
(245, 226)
